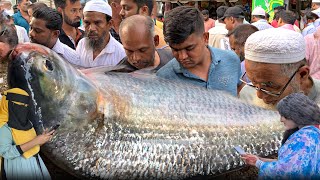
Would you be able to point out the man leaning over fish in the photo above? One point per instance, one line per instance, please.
(138, 39)
(276, 65)
(45, 27)
(195, 62)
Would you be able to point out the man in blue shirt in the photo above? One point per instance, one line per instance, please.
(21, 18)
(194, 61)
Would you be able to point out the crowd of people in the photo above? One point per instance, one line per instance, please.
(272, 64)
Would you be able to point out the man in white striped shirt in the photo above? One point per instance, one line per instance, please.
(258, 19)
(45, 28)
(98, 48)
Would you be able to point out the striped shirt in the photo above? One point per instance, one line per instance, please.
(111, 55)
(262, 24)
(66, 52)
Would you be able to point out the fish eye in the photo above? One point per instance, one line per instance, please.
(49, 65)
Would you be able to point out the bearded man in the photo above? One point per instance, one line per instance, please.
(71, 12)
(98, 48)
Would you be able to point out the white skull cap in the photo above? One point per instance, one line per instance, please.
(276, 46)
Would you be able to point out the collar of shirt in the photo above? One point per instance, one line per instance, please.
(217, 23)
(78, 35)
(263, 20)
(181, 70)
(58, 48)
(310, 24)
(288, 26)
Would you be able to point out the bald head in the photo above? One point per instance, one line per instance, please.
(138, 40)
(137, 23)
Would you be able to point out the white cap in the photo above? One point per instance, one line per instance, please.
(258, 11)
(98, 6)
(276, 46)
(316, 1)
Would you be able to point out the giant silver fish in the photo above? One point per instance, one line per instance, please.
(133, 126)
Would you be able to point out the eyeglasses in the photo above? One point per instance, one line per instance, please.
(269, 92)
(3, 31)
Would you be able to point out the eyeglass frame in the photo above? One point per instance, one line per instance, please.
(3, 31)
(266, 91)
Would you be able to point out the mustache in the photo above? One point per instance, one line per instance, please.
(91, 34)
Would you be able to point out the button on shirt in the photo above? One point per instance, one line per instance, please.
(111, 55)
(66, 52)
(224, 72)
(262, 24)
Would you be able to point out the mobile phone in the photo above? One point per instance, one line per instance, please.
(240, 150)
(54, 127)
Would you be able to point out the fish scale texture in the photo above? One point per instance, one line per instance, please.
(157, 129)
(137, 126)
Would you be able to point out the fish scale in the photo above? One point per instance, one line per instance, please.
(138, 126)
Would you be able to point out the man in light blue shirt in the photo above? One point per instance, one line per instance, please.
(310, 29)
(194, 61)
(258, 18)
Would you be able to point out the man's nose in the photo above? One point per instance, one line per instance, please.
(182, 54)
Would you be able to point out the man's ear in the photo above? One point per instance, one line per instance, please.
(156, 40)
(59, 10)
(113, 5)
(206, 37)
(144, 10)
(111, 23)
(279, 21)
(303, 78)
(56, 33)
(304, 72)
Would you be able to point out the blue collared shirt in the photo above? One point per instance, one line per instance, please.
(310, 29)
(21, 21)
(224, 72)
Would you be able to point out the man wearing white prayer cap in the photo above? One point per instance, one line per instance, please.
(98, 48)
(316, 9)
(275, 63)
(258, 18)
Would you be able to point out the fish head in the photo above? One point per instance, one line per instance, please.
(60, 94)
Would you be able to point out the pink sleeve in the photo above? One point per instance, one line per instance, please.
(307, 41)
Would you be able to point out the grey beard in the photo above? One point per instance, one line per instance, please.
(94, 44)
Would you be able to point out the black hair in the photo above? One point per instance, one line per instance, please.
(220, 11)
(62, 3)
(52, 17)
(36, 5)
(279, 8)
(259, 16)
(148, 3)
(287, 17)
(205, 12)
(108, 18)
(181, 22)
(287, 134)
(267, 15)
(242, 32)
(311, 16)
